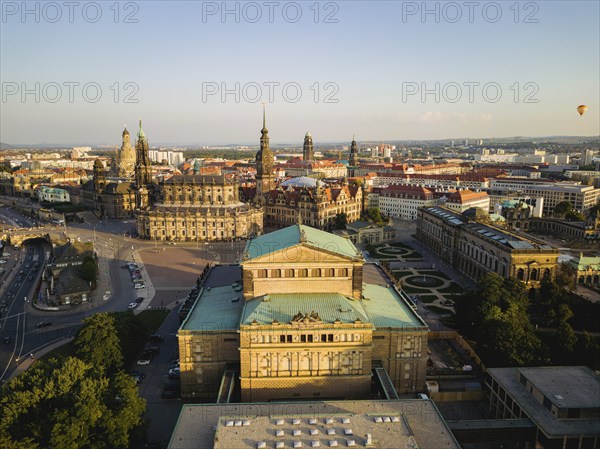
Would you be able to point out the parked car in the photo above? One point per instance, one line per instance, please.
(152, 349)
(169, 393)
(132, 305)
(44, 324)
(7, 340)
(139, 300)
(139, 286)
(143, 362)
(174, 373)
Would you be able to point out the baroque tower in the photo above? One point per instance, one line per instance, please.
(126, 157)
(265, 181)
(353, 158)
(99, 176)
(143, 171)
(308, 153)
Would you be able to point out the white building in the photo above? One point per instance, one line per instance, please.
(403, 201)
(53, 195)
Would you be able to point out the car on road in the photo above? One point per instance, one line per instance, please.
(174, 373)
(132, 305)
(139, 286)
(139, 300)
(2, 261)
(143, 362)
(43, 324)
(152, 349)
(30, 278)
(6, 340)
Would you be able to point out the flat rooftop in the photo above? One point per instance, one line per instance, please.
(572, 382)
(220, 301)
(399, 424)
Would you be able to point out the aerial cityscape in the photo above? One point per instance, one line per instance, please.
(252, 225)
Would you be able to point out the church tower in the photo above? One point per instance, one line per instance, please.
(265, 181)
(143, 170)
(307, 150)
(126, 157)
(353, 157)
(99, 176)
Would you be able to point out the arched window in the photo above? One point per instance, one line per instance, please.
(262, 273)
(520, 274)
(344, 272)
(329, 272)
(316, 273)
(289, 273)
(534, 274)
(547, 274)
(302, 272)
(284, 365)
(276, 273)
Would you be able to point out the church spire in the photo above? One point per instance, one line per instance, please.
(141, 134)
(264, 128)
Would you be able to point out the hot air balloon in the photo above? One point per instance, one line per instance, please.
(581, 109)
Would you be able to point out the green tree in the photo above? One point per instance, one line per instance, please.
(373, 214)
(565, 337)
(573, 215)
(562, 208)
(89, 268)
(97, 343)
(340, 221)
(69, 406)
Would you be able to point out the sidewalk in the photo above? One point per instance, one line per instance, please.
(26, 361)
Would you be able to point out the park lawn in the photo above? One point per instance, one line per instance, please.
(434, 273)
(153, 319)
(411, 289)
(439, 310)
(60, 353)
(399, 245)
(452, 288)
(427, 299)
(401, 273)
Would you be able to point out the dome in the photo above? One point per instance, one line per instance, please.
(302, 181)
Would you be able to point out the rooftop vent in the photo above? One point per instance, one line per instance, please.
(279, 422)
(314, 432)
(279, 445)
(297, 444)
(296, 421)
(351, 443)
(330, 431)
(312, 421)
(379, 419)
(245, 422)
(328, 421)
(296, 432)
(228, 423)
(236, 298)
(314, 443)
(261, 445)
(333, 443)
(348, 432)
(345, 420)
(559, 397)
(279, 433)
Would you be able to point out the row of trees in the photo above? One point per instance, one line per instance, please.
(83, 401)
(502, 317)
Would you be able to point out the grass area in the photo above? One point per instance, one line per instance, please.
(439, 310)
(434, 273)
(411, 289)
(401, 273)
(427, 299)
(452, 288)
(60, 353)
(413, 255)
(448, 321)
(152, 319)
(450, 297)
(399, 245)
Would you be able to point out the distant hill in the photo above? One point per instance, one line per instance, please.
(5, 146)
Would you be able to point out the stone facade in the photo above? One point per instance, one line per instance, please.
(199, 208)
(326, 350)
(125, 160)
(476, 248)
(316, 207)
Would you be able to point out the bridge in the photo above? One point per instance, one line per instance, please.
(18, 236)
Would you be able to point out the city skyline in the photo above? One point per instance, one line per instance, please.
(381, 71)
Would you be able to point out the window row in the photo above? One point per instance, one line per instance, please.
(302, 273)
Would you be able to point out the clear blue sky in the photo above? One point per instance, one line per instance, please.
(171, 53)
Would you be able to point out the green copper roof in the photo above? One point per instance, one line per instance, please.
(218, 308)
(386, 308)
(284, 307)
(583, 262)
(141, 134)
(299, 234)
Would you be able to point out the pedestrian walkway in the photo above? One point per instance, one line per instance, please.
(150, 290)
(25, 362)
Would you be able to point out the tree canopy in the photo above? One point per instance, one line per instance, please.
(496, 316)
(69, 405)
